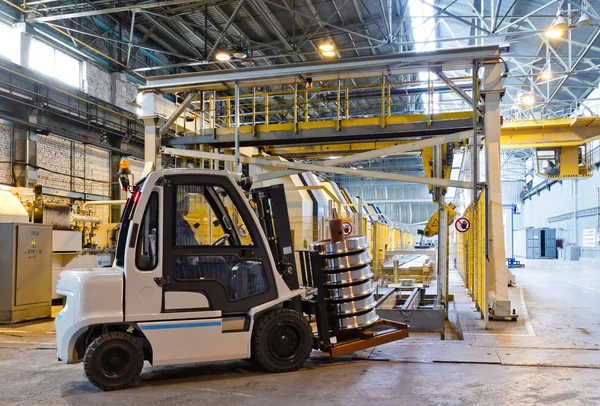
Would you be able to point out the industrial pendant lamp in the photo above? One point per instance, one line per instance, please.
(327, 48)
(239, 52)
(584, 20)
(559, 25)
(527, 99)
(546, 73)
(558, 28)
(222, 55)
(326, 45)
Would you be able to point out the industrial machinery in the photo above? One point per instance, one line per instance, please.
(25, 264)
(25, 272)
(176, 295)
(432, 226)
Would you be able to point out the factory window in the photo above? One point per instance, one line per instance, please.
(11, 43)
(146, 258)
(49, 61)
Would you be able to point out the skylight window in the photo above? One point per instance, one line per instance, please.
(11, 43)
(49, 61)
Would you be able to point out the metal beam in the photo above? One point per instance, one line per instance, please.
(324, 22)
(223, 137)
(318, 168)
(180, 109)
(137, 7)
(393, 150)
(574, 66)
(172, 36)
(231, 18)
(399, 149)
(415, 60)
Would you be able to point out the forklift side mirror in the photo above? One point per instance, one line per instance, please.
(246, 184)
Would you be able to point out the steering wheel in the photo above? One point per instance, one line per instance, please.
(221, 240)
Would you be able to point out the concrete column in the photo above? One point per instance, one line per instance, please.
(497, 270)
(25, 156)
(151, 126)
(25, 45)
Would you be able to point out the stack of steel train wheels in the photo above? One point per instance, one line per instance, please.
(348, 290)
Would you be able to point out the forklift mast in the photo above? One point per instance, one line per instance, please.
(272, 212)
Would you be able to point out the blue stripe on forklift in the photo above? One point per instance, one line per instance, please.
(184, 325)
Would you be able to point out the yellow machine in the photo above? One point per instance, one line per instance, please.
(447, 158)
(563, 162)
(432, 226)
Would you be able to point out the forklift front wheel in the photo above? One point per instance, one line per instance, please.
(113, 361)
(281, 341)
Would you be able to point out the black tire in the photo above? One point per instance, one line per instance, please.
(281, 341)
(113, 361)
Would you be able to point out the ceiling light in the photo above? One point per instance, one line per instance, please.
(584, 20)
(546, 74)
(560, 23)
(326, 46)
(527, 99)
(239, 52)
(222, 55)
(558, 27)
(554, 33)
(248, 62)
(328, 54)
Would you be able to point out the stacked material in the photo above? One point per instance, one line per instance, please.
(348, 290)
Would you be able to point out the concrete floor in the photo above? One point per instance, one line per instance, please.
(550, 356)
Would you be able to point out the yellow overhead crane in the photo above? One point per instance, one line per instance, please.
(561, 132)
(562, 149)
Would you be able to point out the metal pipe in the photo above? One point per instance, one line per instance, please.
(103, 203)
(237, 126)
(130, 37)
(296, 107)
(87, 219)
(360, 216)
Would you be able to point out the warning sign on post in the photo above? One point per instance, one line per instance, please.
(462, 225)
(347, 228)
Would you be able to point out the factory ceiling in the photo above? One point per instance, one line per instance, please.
(147, 38)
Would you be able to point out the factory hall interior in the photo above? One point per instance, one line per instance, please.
(300, 202)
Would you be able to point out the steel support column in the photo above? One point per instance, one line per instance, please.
(497, 270)
(442, 248)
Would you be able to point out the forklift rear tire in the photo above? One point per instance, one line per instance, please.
(281, 341)
(113, 361)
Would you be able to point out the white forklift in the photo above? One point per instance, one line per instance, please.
(203, 274)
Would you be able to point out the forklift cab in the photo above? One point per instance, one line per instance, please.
(195, 279)
(563, 162)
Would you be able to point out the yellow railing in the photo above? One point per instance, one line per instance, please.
(470, 258)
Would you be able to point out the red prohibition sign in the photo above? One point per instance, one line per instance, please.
(347, 228)
(462, 225)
